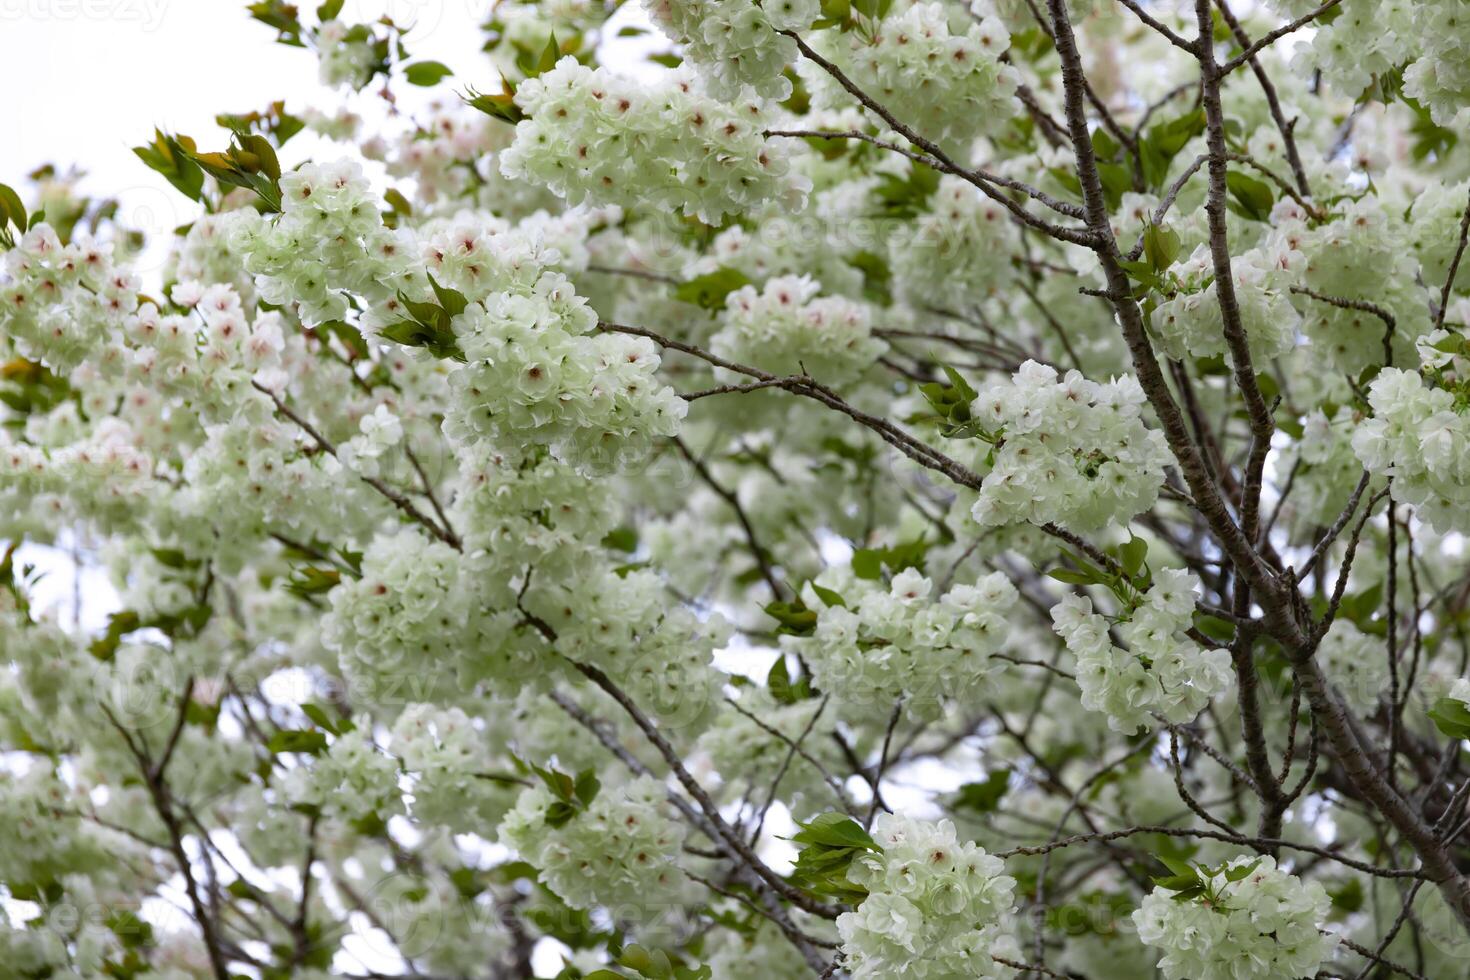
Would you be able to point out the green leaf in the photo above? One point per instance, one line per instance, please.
(867, 564)
(295, 740)
(426, 73)
(1348, 897)
(559, 814)
(837, 11)
(794, 617)
(1117, 180)
(907, 196)
(1178, 865)
(1177, 883)
(282, 16)
(322, 720)
(877, 276)
(967, 393)
(1161, 245)
(543, 62)
(1143, 273)
(1133, 555)
(1172, 136)
(984, 796)
(952, 401)
(329, 10)
(1252, 197)
(1452, 344)
(1217, 629)
(1071, 577)
(1361, 606)
(411, 333)
(586, 787)
(709, 291)
(1241, 871)
(562, 786)
(119, 624)
(11, 208)
(452, 301)
(1451, 717)
(828, 845)
(168, 157)
(835, 830)
(828, 596)
(500, 105)
(398, 202)
(466, 882)
(1163, 143)
(130, 930)
(350, 337)
(1104, 146)
(782, 689)
(310, 580)
(622, 539)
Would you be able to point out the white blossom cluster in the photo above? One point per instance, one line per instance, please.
(951, 85)
(207, 254)
(345, 54)
(762, 955)
(1362, 254)
(786, 328)
(1419, 437)
(251, 475)
(1329, 469)
(104, 477)
(903, 642)
(1367, 38)
(457, 781)
(328, 240)
(407, 620)
(623, 623)
(596, 136)
(441, 154)
(736, 41)
(352, 780)
(33, 841)
(208, 354)
(1440, 75)
(1356, 664)
(1260, 927)
(404, 458)
(936, 908)
(528, 512)
(1190, 322)
(816, 242)
(527, 26)
(1434, 229)
(60, 302)
(1157, 670)
(743, 750)
(946, 256)
(535, 376)
(1071, 452)
(1428, 39)
(619, 852)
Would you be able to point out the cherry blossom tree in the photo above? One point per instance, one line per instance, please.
(882, 488)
